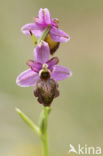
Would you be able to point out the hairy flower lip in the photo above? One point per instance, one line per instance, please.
(46, 91)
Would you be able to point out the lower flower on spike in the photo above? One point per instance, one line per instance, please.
(43, 75)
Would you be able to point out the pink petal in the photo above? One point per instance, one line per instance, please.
(37, 33)
(47, 16)
(44, 16)
(27, 78)
(35, 66)
(31, 27)
(59, 35)
(52, 62)
(60, 73)
(55, 22)
(42, 53)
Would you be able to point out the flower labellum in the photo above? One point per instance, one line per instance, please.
(46, 88)
(41, 22)
(46, 91)
(44, 73)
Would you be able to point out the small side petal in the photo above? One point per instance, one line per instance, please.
(42, 53)
(55, 22)
(35, 66)
(60, 73)
(29, 27)
(27, 78)
(59, 35)
(52, 62)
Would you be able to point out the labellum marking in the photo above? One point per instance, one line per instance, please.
(45, 72)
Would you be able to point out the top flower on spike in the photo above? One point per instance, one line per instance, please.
(41, 22)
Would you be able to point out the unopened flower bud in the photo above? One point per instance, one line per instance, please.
(46, 91)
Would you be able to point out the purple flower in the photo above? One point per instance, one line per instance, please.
(43, 75)
(41, 22)
(42, 68)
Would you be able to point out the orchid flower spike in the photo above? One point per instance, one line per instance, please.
(41, 22)
(44, 73)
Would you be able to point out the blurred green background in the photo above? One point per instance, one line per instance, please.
(77, 115)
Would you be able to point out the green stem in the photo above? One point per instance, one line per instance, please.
(43, 127)
(45, 137)
(45, 146)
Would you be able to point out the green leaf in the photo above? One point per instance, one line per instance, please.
(29, 122)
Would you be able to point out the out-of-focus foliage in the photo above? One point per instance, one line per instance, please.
(77, 115)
